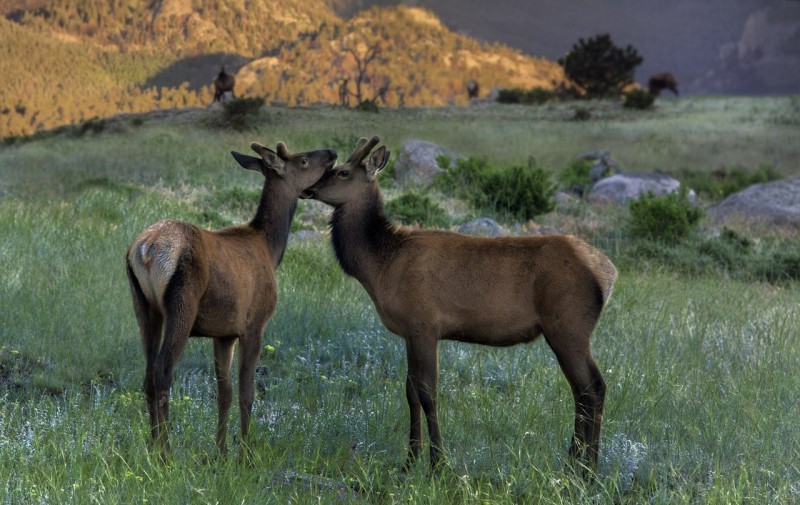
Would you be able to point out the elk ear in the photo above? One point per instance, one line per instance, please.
(270, 158)
(248, 162)
(377, 161)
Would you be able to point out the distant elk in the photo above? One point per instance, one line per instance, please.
(473, 89)
(223, 84)
(432, 285)
(662, 81)
(186, 281)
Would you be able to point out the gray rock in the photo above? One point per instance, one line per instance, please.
(621, 188)
(416, 164)
(304, 236)
(482, 227)
(604, 164)
(774, 203)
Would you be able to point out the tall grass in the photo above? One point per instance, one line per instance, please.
(702, 371)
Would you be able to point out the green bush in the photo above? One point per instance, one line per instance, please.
(582, 114)
(575, 176)
(669, 218)
(242, 113)
(416, 208)
(724, 182)
(519, 192)
(368, 106)
(523, 192)
(533, 96)
(639, 99)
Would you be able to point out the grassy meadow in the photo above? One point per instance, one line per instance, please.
(703, 369)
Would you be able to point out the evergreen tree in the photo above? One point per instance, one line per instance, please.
(599, 67)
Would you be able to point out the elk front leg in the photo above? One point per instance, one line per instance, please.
(415, 434)
(249, 354)
(423, 371)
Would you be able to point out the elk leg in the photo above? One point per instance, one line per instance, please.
(150, 324)
(249, 354)
(223, 360)
(423, 370)
(151, 329)
(588, 391)
(415, 436)
(176, 335)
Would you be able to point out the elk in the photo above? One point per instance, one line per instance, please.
(473, 89)
(186, 281)
(662, 81)
(224, 83)
(431, 285)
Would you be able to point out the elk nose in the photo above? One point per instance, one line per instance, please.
(306, 194)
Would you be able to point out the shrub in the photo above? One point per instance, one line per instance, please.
(533, 96)
(668, 218)
(523, 192)
(240, 114)
(368, 106)
(510, 95)
(582, 114)
(639, 99)
(599, 67)
(520, 192)
(575, 176)
(539, 95)
(416, 208)
(724, 182)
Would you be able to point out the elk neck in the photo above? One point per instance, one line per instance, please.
(362, 237)
(273, 219)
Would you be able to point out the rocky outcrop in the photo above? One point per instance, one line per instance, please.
(773, 203)
(621, 188)
(482, 227)
(416, 164)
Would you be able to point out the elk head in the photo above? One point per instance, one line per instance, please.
(298, 170)
(356, 175)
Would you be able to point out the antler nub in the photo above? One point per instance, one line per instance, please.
(363, 147)
(283, 151)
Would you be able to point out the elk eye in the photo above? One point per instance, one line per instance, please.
(305, 161)
(344, 174)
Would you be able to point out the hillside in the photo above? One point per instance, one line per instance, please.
(66, 62)
(420, 62)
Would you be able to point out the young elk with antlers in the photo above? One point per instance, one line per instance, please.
(432, 285)
(187, 281)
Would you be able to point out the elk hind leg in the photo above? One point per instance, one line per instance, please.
(178, 323)
(151, 323)
(223, 361)
(588, 391)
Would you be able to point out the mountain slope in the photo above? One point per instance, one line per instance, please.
(66, 62)
(420, 61)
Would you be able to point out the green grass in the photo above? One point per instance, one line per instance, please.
(702, 369)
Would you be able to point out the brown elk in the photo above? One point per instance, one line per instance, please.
(662, 81)
(429, 285)
(186, 281)
(473, 89)
(224, 83)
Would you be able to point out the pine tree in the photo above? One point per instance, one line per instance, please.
(599, 67)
